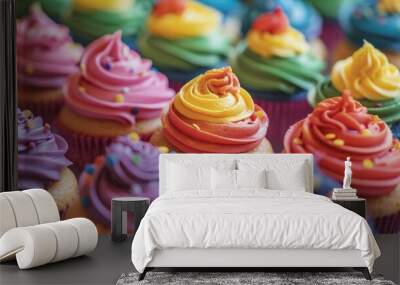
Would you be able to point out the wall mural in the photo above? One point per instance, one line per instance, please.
(105, 87)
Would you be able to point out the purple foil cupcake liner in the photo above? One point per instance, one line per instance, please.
(389, 224)
(282, 114)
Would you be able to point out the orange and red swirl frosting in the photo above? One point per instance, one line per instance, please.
(213, 114)
(115, 83)
(340, 127)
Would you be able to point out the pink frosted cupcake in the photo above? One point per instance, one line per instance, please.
(128, 168)
(115, 93)
(46, 56)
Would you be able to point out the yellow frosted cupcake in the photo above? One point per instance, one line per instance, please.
(213, 114)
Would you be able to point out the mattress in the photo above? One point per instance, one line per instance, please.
(251, 219)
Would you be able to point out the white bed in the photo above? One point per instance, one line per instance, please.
(248, 227)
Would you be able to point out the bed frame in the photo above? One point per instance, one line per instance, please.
(242, 259)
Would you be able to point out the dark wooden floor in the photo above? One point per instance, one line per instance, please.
(110, 260)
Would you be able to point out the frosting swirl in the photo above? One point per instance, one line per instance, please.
(375, 21)
(191, 19)
(46, 53)
(368, 74)
(302, 16)
(276, 58)
(212, 113)
(271, 35)
(129, 168)
(115, 83)
(340, 127)
(184, 40)
(90, 19)
(41, 154)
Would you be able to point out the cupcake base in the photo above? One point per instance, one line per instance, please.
(282, 113)
(385, 212)
(158, 139)
(345, 49)
(65, 191)
(45, 103)
(86, 137)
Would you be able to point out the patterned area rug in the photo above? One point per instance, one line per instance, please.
(243, 278)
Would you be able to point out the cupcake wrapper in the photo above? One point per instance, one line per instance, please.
(82, 149)
(282, 115)
(176, 85)
(387, 224)
(331, 34)
(48, 110)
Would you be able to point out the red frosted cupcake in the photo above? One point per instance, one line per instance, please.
(46, 56)
(115, 92)
(341, 127)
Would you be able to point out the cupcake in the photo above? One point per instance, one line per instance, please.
(341, 127)
(276, 65)
(373, 81)
(89, 20)
(213, 114)
(302, 16)
(114, 93)
(42, 162)
(55, 9)
(46, 56)
(376, 21)
(184, 39)
(129, 168)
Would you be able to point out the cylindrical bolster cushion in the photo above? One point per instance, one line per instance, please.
(26, 208)
(7, 218)
(41, 244)
(23, 208)
(46, 207)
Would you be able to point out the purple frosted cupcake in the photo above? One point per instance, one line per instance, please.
(129, 168)
(42, 162)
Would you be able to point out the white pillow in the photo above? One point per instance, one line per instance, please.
(181, 177)
(251, 179)
(282, 174)
(223, 179)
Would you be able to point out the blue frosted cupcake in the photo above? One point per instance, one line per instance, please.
(377, 21)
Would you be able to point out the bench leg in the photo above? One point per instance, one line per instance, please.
(364, 271)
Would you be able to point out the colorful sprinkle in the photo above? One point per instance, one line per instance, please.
(82, 89)
(30, 124)
(136, 189)
(376, 119)
(32, 144)
(119, 98)
(89, 169)
(125, 90)
(134, 136)
(338, 142)
(136, 159)
(330, 136)
(47, 127)
(163, 149)
(297, 141)
(260, 114)
(107, 66)
(366, 132)
(99, 160)
(196, 127)
(29, 69)
(111, 160)
(368, 163)
(27, 114)
(253, 117)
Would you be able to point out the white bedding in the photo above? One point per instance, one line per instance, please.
(252, 218)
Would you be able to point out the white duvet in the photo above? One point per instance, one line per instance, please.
(250, 219)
